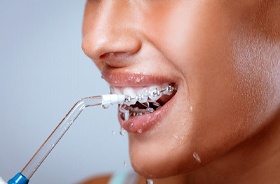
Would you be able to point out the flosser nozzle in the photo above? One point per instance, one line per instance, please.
(112, 99)
(42, 153)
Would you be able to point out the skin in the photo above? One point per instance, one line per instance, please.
(225, 58)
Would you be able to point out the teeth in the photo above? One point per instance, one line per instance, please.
(167, 89)
(146, 96)
(115, 91)
(130, 92)
(154, 93)
(143, 95)
(151, 94)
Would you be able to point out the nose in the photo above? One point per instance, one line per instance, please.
(110, 33)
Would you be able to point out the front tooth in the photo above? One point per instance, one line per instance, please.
(115, 91)
(154, 93)
(130, 92)
(143, 95)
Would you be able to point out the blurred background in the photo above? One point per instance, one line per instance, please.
(43, 73)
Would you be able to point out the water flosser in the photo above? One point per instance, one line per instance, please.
(31, 167)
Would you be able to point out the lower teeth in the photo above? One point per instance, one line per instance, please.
(127, 111)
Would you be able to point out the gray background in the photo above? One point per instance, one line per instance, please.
(43, 73)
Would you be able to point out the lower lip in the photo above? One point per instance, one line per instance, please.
(140, 124)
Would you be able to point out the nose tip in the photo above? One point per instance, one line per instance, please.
(110, 32)
(110, 45)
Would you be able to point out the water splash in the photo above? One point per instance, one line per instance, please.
(196, 157)
(191, 108)
(105, 106)
(122, 131)
(124, 113)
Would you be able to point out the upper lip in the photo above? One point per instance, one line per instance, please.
(124, 79)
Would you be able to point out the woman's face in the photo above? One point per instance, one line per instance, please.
(222, 55)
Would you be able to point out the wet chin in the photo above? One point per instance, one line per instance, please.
(153, 161)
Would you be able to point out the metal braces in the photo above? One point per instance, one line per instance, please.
(168, 90)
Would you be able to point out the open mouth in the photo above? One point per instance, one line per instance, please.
(144, 100)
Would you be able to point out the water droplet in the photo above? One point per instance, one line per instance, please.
(156, 104)
(196, 157)
(124, 164)
(71, 122)
(123, 108)
(113, 132)
(131, 126)
(191, 108)
(149, 181)
(105, 106)
(126, 115)
(124, 112)
(140, 131)
(122, 131)
(176, 137)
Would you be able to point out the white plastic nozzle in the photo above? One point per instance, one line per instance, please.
(112, 98)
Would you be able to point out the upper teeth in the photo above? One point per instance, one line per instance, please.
(146, 94)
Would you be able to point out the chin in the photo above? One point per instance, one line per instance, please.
(157, 159)
(156, 165)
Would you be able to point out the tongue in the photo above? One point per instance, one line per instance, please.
(164, 98)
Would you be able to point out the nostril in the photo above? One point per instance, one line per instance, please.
(117, 59)
(107, 55)
(112, 55)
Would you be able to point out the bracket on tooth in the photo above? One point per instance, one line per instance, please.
(127, 99)
(141, 98)
(155, 93)
(168, 90)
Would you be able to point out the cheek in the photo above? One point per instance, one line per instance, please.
(234, 93)
(228, 82)
(257, 76)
